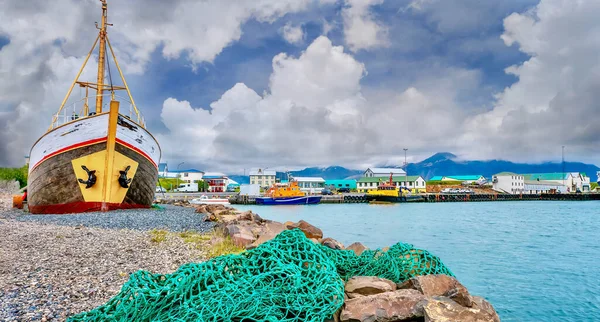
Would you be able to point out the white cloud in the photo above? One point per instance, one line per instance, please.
(361, 29)
(292, 34)
(49, 39)
(555, 101)
(315, 113)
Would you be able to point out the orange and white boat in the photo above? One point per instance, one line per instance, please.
(94, 159)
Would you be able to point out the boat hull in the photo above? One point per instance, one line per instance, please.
(393, 199)
(59, 157)
(200, 201)
(305, 200)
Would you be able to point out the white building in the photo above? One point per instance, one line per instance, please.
(508, 182)
(163, 170)
(384, 172)
(189, 175)
(536, 187)
(416, 184)
(573, 181)
(262, 177)
(310, 184)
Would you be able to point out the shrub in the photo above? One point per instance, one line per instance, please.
(158, 236)
(18, 174)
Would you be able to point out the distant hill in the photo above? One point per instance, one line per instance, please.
(329, 173)
(445, 163)
(333, 172)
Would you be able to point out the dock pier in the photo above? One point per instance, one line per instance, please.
(250, 200)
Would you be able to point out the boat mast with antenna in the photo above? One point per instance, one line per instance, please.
(102, 41)
(101, 57)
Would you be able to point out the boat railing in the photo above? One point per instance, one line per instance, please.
(81, 109)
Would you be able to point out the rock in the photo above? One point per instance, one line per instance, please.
(201, 209)
(274, 227)
(354, 295)
(314, 240)
(267, 232)
(309, 230)
(440, 285)
(250, 216)
(261, 239)
(210, 218)
(332, 243)
(482, 304)
(390, 306)
(440, 309)
(242, 236)
(357, 247)
(369, 285)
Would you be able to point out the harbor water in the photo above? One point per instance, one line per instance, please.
(533, 260)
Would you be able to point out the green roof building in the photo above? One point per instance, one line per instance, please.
(415, 183)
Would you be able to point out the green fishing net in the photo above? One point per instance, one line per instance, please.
(289, 278)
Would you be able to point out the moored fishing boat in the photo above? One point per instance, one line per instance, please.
(388, 192)
(102, 159)
(209, 201)
(287, 194)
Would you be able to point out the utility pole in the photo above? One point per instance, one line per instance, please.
(178, 174)
(405, 164)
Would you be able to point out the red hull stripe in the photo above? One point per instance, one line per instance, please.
(79, 207)
(71, 147)
(137, 150)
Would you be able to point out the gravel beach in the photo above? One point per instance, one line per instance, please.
(54, 266)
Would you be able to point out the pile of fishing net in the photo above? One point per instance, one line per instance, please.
(289, 278)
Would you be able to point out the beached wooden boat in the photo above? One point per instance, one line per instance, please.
(102, 159)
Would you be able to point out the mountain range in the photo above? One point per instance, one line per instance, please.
(446, 164)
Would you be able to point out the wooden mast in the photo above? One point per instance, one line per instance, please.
(101, 58)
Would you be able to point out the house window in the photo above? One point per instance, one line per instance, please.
(410, 184)
(185, 174)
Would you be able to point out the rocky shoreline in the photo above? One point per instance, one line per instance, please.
(430, 298)
(55, 267)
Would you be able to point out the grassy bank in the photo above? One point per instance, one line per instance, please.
(18, 174)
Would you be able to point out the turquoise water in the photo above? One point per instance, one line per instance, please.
(534, 261)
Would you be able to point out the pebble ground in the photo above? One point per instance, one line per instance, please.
(52, 267)
(170, 218)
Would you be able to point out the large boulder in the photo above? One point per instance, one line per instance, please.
(268, 232)
(440, 285)
(369, 285)
(332, 243)
(390, 306)
(481, 304)
(440, 309)
(309, 230)
(357, 248)
(242, 236)
(250, 216)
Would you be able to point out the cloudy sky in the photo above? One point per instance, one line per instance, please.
(228, 85)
